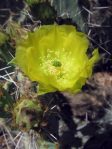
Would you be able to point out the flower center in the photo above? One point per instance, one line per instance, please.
(56, 63)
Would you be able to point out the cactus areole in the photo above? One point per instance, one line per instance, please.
(55, 56)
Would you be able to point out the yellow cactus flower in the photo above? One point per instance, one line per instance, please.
(55, 56)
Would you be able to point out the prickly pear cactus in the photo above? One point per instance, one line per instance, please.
(57, 119)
